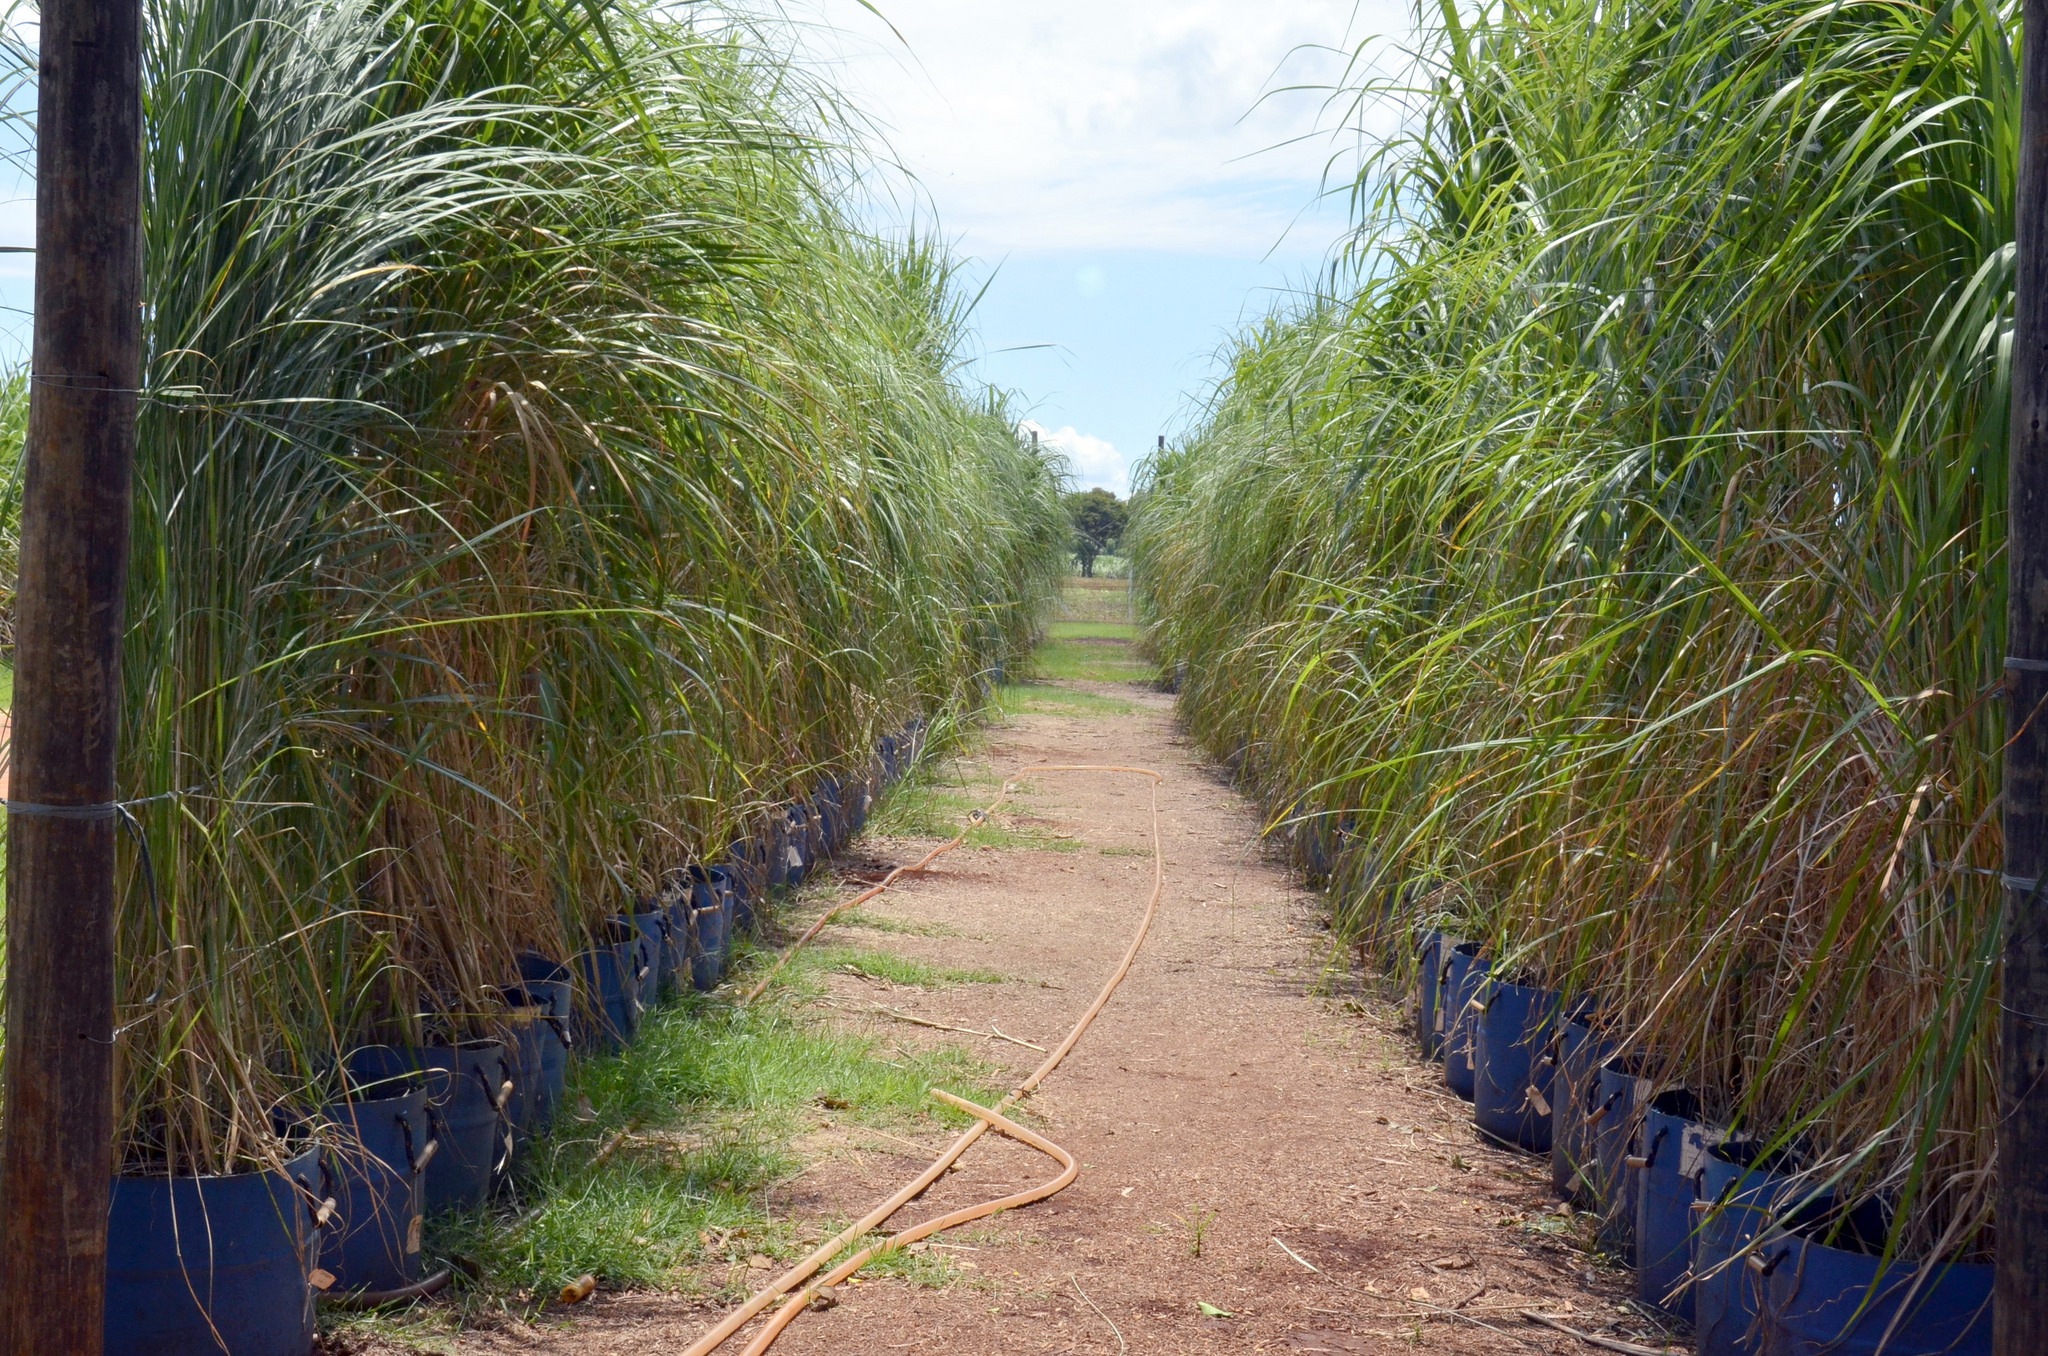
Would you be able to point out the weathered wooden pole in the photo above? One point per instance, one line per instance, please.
(55, 1163)
(2021, 1296)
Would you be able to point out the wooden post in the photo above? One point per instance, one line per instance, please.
(2021, 1296)
(55, 1146)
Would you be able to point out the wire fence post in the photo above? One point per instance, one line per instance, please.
(2021, 1302)
(55, 1148)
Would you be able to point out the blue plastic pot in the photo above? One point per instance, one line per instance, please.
(378, 1169)
(1667, 1174)
(678, 941)
(710, 882)
(857, 799)
(744, 874)
(639, 955)
(675, 909)
(710, 926)
(468, 1088)
(475, 1130)
(1574, 1093)
(213, 1264)
(612, 971)
(815, 850)
(795, 845)
(775, 855)
(831, 814)
(1463, 974)
(540, 1052)
(1740, 1199)
(652, 925)
(1511, 1067)
(1428, 1026)
(1616, 1120)
(891, 755)
(377, 1071)
(1824, 1301)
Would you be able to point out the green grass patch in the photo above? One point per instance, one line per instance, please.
(1002, 833)
(883, 965)
(1046, 699)
(881, 922)
(1092, 630)
(1096, 600)
(931, 1267)
(921, 806)
(1092, 663)
(713, 1098)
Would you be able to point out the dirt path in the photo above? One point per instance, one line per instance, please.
(1215, 1101)
(1221, 1107)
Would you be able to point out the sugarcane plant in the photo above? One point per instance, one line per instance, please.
(543, 475)
(1605, 561)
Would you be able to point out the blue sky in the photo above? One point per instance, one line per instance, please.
(1109, 348)
(1139, 177)
(1133, 179)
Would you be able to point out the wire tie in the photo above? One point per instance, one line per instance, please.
(108, 809)
(94, 383)
(103, 810)
(2026, 665)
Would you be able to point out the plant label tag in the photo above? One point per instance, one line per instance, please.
(1538, 1100)
(1439, 1012)
(1692, 1150)
(320, 1279)
(1645, 1090)
(794, 860)
(412, 1235)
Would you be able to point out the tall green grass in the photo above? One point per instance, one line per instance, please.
(541, 475)
(1608, 561)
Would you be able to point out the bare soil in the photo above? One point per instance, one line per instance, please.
(1245, 1109)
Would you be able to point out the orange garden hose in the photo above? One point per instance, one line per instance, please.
(1070, 1169)
(985, 1117)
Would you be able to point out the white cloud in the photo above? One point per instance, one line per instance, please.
(1093, 461)
(1102, 124)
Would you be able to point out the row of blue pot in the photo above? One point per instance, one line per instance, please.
(1721, 1234)
(228, 1264)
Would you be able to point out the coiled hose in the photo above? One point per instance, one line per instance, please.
(986, 1118)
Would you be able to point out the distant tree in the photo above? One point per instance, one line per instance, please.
(1099, 521)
